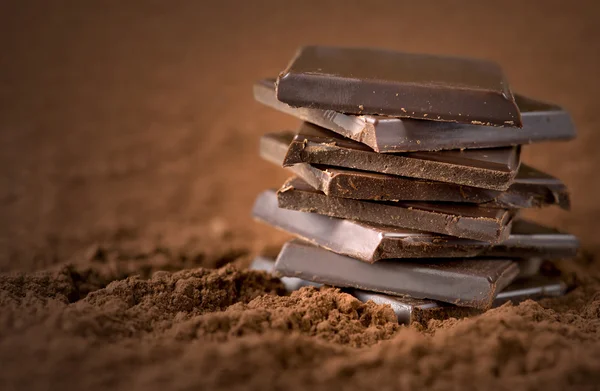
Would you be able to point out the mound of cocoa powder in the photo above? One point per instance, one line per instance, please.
(230, 328)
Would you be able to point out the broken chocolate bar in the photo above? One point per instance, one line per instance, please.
(528, 277)
(541, 122)
(531, 188)
(423, 86)
(409, 310)
(466, 282)
(460, 220)
(371, 242)
(493, 168)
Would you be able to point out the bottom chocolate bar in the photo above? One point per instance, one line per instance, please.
(528, 268)
(409, 310)
(463, 282)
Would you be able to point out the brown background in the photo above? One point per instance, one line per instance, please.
(138, 118)
(128, 144)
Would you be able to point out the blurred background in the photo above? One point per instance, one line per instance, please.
(127, 121)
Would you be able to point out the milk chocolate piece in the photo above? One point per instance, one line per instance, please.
(409, 310)
(372, 242)
(493, 168)
(541, 122)
(531, 188)
(460, 220)
(406, 85)
(466, 283)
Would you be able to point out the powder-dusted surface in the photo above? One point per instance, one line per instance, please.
(226, 329)
(324, 313)
(128, 146)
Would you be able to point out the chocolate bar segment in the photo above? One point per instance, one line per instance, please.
(541, 122)
(371, 242)
(529, 284)
(466, 283)
(460, 220)
(493, 168)
(381, 82)
(531, 188)
(409, 310)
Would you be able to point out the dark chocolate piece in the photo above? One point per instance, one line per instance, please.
(460, 220)
(493, 168)
(406, 85)
(541, 122)
(466, 283)
(528, 274)
(372, 242)
(531, 188)
(409, 310)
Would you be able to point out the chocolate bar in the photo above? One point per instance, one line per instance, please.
(381, 82)
(465, 282)
(493, 168)
(371, 242)
(528, 273)
(409, 310)
(541, 122)
(460, 220)
(531, 188)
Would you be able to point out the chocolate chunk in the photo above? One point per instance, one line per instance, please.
(531, 188)
(541, 122)
(493, 168)
(460, 220)
(528, 284)
(372, 242)
(424, 86)
(409, 310)
(466, 282)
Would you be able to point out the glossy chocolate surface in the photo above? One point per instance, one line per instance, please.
(409, 310)
(531, 188)
(460, 220)
(466, 283)
(493, 168)
(406, 85)
(371, 242)
(541, 122)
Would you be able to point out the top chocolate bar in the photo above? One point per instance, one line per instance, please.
(381, 82)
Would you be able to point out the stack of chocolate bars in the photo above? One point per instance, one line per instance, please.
(408, 182)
